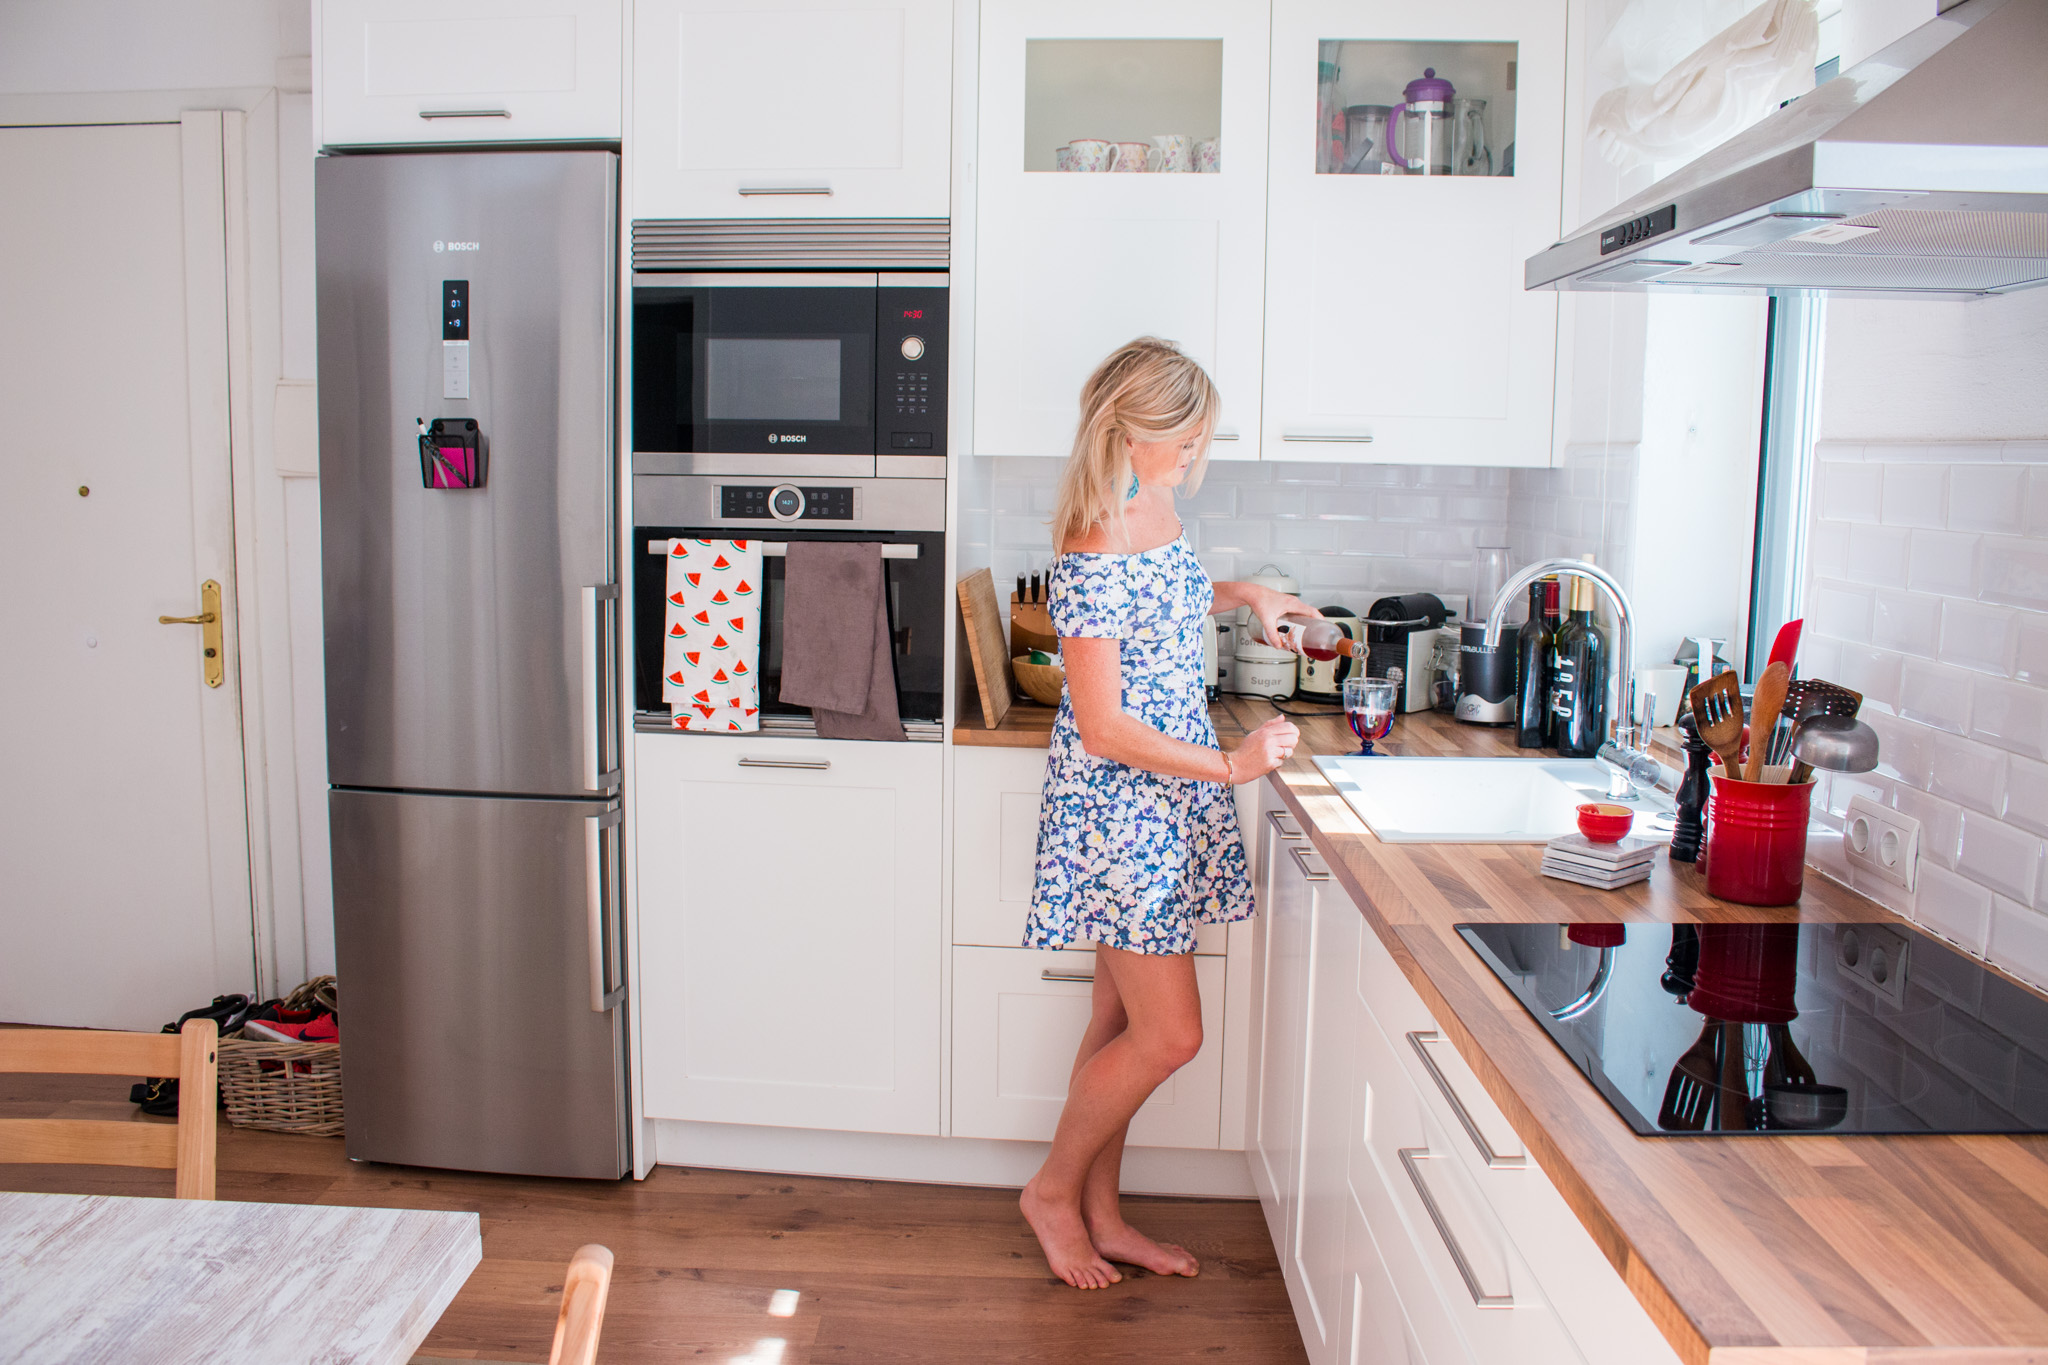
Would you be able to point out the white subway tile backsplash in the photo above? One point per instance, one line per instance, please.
(1873, 672)
(1344, 504)
(1023, 532)
(1275, 501)
(1941, 823)
(1827, 549)
(2012, 716)
(2024, 452)
(1851, 492)
(1341, 575)
(2026, 794)
(1907, 622)
(1840, 610)
(1935, 696)
(1311, 537)
(2015, 572)
(1944, 562)
(1979, 638)
(1442, 542)
(2019, 941)
(2031, 662)
(1957, 909)
(1987, 497)
(2037, 501)
(1411, 507)
(1377, 476)
(1877, 555)
(1915, 495)
(1307, 473)
(1968, 773)
(1235, 536)
(1905, 748)
(1996, 855)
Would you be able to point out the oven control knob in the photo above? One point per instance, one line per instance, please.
(913, 348)
(785, 502)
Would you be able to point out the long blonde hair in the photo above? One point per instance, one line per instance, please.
(1146, 390)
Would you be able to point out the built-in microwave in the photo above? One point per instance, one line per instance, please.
(839, 375)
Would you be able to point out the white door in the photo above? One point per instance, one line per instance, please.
(789, 931)
(123, 829)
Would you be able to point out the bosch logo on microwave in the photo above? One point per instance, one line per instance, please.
(458, 246)
(775, 438)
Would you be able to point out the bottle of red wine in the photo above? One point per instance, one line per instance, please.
(1532, 673)
(1578, 683)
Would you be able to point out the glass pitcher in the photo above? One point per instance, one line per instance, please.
(1419, 128)
(1469, 153)
(1365, 140)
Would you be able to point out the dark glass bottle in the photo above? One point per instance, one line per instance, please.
(1578, 684)
(1532, 674)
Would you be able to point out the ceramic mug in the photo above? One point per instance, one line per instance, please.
(1176, 153)
(1131, 156)
(1209, 155)
(1063, 159)
(1091, 153)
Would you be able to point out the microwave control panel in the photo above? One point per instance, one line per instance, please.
(910, 367)
(787, 502)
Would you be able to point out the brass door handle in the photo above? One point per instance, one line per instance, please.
(215, 667)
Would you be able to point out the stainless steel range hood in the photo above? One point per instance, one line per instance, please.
(1920, 172)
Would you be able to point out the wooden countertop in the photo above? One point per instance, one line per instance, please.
(1808, 1250)
(1029, 726)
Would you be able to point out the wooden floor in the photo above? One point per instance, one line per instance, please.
(886, 1272)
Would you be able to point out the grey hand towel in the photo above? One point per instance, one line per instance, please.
(835, 639)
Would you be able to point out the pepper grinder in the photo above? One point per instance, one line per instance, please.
(1689, 834)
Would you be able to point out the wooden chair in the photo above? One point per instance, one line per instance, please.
(188, 1148)
(583, 1294)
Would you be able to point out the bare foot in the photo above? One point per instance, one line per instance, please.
(1064, 1239)
(1120, 1241)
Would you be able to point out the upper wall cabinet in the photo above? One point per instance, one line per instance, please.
(1417, 158)
(813, 109)
(436, 71)
(1121, 177)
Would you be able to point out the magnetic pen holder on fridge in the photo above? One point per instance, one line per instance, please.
(452, 453)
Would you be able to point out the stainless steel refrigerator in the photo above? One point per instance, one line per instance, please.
(467, 339)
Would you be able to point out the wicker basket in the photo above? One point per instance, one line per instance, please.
(300, 1093)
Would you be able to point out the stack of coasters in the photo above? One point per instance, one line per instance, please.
(1575, 858)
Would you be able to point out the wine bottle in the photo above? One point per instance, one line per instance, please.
(1578, 686)
(1532, 673)
(1319, 638)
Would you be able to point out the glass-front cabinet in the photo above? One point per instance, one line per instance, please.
(1416, 162)
(1121, 179)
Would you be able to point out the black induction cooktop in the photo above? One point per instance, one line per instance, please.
(1781, 1028)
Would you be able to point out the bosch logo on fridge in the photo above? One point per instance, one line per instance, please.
(458, 246)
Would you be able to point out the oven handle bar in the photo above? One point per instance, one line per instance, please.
(778, 549)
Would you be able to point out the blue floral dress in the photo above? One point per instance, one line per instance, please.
(1128, 857)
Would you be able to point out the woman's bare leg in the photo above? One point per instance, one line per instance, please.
(1162, 1032)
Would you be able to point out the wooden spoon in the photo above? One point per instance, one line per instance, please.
(1717, 711)
(1764, 707)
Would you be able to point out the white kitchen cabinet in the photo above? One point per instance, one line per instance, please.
(790, 934)
(1373, 1330)
(995, 847)
(1288, 911)
(393, 72)
(1018, 1016)
(804, 109)
(1397, 327)
(1073, 265)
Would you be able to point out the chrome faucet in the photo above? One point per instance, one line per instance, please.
(1627, 764)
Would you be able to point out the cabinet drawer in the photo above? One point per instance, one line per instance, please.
(391, 73)
(1018, 1016)
(995, 847)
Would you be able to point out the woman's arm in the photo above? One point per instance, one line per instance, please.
(1269, 606)
(1095, 684)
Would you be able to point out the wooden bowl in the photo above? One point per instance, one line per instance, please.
(1041, 682)
(1023, 639)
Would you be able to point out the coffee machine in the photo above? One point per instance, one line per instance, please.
(1400, 634)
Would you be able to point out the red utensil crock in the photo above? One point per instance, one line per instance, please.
(1756, 840)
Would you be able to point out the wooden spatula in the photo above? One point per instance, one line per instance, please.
(1764, 706)
(1717, 710)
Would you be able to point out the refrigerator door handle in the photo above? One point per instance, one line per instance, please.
(600, 609)
(600, 889)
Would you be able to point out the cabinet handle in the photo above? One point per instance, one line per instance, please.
(1411, 1160)
(785, 189)
(598, 893)
(1301, 857)
(1283, 821)
(1055, 974)
(1362, 438)
(1223, 436)
(813, 764)
(465, 113)
(1495, 1161)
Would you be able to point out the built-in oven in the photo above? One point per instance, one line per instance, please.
(799, 374)
(906, 516)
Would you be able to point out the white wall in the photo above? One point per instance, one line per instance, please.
(97, 60)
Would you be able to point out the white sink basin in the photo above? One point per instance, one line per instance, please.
(1479, 800)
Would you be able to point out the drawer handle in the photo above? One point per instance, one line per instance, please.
(1055, 974)
(1495, 1161)
(1301, 857)
(813, 764)
(1284, 822)
(1223, 436)
(785, 189)
(1412, 1159)
(465, 113)
(1361, 438)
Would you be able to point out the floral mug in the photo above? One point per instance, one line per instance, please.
(1176, 153)
(1091, 153)
(1131, 156)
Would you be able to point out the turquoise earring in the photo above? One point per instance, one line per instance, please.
(1134, 489)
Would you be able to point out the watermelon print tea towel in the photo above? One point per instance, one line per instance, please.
(712, 654)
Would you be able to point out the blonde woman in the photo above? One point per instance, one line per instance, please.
(1137, 836)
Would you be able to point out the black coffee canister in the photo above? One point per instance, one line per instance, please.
(1486, 677)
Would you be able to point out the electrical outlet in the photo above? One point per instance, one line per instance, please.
(1882, 842)
(1875, 956)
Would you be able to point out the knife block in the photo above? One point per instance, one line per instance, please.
(1031, 628)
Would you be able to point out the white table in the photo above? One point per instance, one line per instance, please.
(105, 1278)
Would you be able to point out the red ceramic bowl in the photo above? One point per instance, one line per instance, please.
(1605, 824)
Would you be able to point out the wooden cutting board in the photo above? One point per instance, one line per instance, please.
(984, 622)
